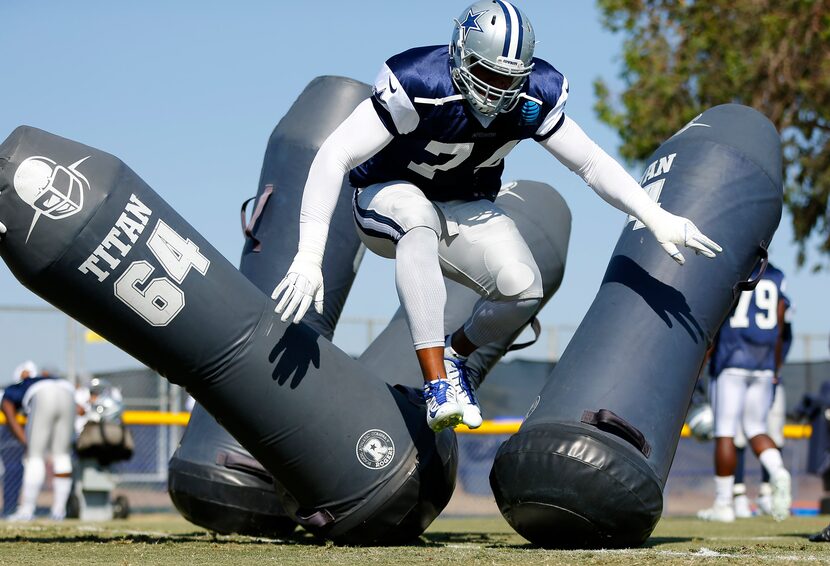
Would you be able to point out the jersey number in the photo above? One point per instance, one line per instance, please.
(459, 152)
(766, 300)
(160, 300)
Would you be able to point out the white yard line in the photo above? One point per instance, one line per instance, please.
(707, 553)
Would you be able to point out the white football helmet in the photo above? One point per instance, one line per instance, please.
(492, 55)
(106, 401)
(701, 421)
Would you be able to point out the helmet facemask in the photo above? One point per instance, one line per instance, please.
(481, 70)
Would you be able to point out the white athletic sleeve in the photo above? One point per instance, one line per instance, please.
(358, 138)
(579, 153)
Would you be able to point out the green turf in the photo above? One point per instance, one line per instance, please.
(168, 539)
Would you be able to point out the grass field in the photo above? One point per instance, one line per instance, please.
(169, 539)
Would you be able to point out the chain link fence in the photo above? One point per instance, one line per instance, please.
(143, 478)
(45, 334)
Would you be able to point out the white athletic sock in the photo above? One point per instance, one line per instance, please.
(34, 472)
(61, 488)
(723, 489)
(771, 460)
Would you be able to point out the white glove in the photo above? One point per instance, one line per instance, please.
(2, 230)
(671, 231)
(301, 285)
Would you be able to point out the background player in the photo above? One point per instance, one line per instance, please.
(49, 404)
(745, 357)
(776, 419)
(425, 154)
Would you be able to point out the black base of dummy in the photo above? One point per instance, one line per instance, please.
(604, 494)
(227, 501)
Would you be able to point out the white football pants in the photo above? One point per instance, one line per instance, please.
(478, 246)
(741, 399)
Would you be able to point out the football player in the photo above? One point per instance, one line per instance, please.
(425, 155)
(776, 419)
(744, 360)
(49, 403)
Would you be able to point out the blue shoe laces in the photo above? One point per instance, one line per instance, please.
(437, 389)
(462, 378)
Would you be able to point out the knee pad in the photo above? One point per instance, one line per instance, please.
(34, 470)
(62, 464)
(517, 280)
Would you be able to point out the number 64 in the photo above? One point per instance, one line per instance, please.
(159, 301)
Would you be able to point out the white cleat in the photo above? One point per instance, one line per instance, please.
(741, 506)
(781, 495)
(20, 517)
(457, 374)
(443, 409)
(764, 501)
(717, 513)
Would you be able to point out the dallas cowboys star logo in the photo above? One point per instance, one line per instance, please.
(471, 23)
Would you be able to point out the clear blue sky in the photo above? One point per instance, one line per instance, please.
(187, 93)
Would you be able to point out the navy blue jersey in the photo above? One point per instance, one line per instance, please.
(440, 145)
(15, 393)
(21, 392)
(748, 337)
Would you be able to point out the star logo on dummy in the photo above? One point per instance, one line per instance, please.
(471, 23)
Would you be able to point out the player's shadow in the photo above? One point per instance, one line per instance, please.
(487, 540)
(666, 301)
(104, 538)
(298, 537)
(295, 351)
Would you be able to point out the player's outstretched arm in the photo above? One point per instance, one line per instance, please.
(358, 138)
(570, 145)
(10, 412)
